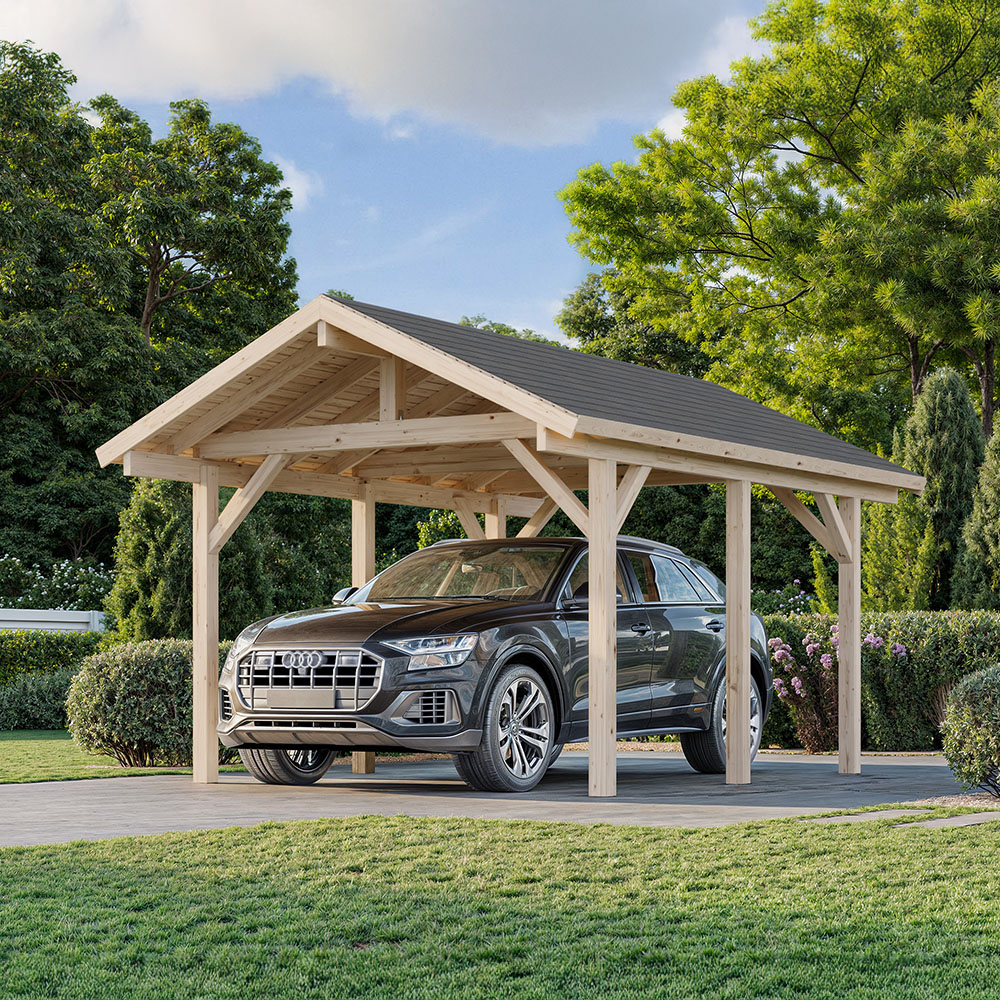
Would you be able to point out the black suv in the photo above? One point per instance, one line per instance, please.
(479, 649)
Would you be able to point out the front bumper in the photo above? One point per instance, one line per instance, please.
(406, 710)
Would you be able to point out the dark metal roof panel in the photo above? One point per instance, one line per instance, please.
(594, 386)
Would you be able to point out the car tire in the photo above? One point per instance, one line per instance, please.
(706, 751)
(287, 767)
(556, 751)
(518, 729)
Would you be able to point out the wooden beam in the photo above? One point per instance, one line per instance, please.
(449, 367)
(331, 337)
(539, 519)
(470, 523)
(496, 519)
(243, 501)
(363, 536)
(602, 621)
(810, 522)
(738, 632)
(363, 762)
(392, 389)
(714, 469)
(205, 628)
(550, 482)
(322, 393)
(628, 490)
(835, 525)
(849, 642)
(240, 364)
(257, 388)
(730, 451)
(178, 468)
(321, 438)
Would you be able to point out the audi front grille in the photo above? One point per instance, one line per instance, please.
(353, 675)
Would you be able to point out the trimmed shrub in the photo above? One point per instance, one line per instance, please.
(70, 584)
(909, 663)
(133, 703)
(30, 651)
(779, 730)
(972, 730)
(35, 701)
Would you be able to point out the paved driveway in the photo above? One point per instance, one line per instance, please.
(654, 789)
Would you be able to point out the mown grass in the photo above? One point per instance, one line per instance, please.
(398, 907)
(51, 755)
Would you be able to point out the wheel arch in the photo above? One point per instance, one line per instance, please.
(532, 657)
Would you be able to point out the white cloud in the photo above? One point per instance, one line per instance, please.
(515, 71)
(304, 184)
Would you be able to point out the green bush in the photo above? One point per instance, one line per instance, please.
(133, 702)
(35, 701)
(29, 651)
(910, 660)
(69, 584)
(972, 730)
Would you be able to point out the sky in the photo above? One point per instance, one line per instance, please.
(424, 141)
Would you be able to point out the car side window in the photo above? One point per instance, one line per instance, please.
(704, 593)
(578, 585)
(671, 583)
(645, 575)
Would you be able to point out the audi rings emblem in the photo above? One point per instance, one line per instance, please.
(301, 660)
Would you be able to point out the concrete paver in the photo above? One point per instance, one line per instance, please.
(966, 819)
(654, 789)
(868, 816)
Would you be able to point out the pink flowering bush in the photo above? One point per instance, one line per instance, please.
(805, 680)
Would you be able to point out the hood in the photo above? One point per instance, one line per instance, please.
(355, 623)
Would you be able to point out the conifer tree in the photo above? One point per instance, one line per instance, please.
(977, 575)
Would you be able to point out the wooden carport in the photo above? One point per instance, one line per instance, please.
(350, 400)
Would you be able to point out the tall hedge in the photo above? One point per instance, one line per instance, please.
(29, 651)
(908, 666)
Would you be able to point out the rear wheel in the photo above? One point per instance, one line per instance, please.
(287, 767)
(706, 751)
(517, 742)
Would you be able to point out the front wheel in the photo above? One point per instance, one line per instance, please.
(706, 751)
(287, 767)
(517, 742)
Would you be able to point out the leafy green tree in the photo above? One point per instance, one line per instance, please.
(151, 595)
(198, 211)
(599, 320)
(758, 226)
(480, 322)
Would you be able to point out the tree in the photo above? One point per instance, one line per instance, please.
(910, 551)
(480, 322)
(759, 222)
(151, 595)
(977, 577)
(196, 211)
(598, 319)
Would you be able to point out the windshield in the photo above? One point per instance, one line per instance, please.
(487, 570)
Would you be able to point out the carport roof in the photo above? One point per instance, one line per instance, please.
(619, 392)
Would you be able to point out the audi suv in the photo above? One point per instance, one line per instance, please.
(478, 649)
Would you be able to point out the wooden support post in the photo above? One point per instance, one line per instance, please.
(737, 632)
(849, 642)
(362, 570)
(392, 389)
(205, 628)
(496, 519)
(602, 619)
(363, 537)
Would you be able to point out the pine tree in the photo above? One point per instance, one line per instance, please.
(151, 596)
(977, 576)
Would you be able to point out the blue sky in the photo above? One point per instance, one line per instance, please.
(424, 140)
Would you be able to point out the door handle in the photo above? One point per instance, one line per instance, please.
(641, 627)
(715, 625)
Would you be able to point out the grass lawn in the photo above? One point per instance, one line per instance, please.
(377, 908)
(51, 755)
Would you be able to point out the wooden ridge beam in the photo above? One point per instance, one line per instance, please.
(550, 482)
(320, 438)
(333, 338)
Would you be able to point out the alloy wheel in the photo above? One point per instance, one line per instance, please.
(524, 730)
(308, 760)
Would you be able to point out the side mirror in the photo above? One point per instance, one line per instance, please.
(343, 594)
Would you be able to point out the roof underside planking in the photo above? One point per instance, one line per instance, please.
(325, 390)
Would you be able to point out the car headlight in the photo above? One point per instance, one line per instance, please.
(437, 650)
(241, 644)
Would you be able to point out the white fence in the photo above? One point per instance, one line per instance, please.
(52, 621)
